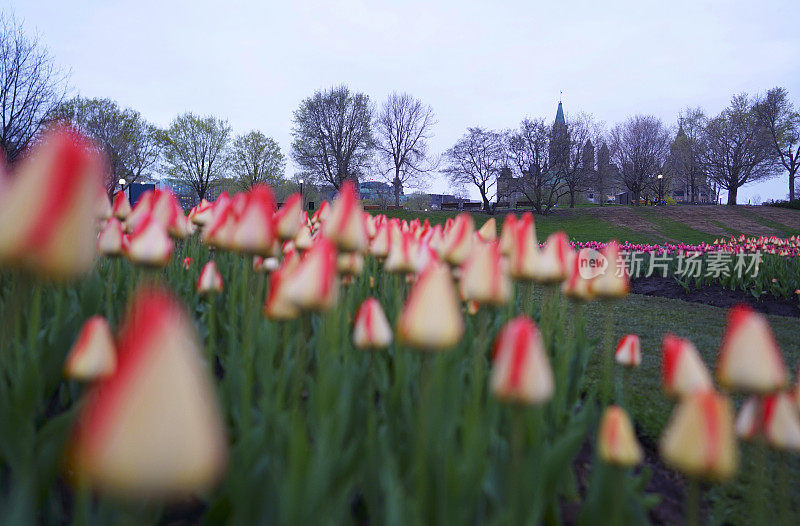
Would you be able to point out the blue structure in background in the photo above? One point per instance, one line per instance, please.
(135, 191)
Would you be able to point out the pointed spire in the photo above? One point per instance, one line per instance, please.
(560, 113)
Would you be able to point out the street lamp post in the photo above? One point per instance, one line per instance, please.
(660, 187)
(302, 195)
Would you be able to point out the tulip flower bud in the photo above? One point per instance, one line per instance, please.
(277, 305)
(369, 225)
(210, 281)
(201, 214)
(402, 251)
(508, 234)
(683, 371)
(314, 283)
(321, 215)
(431, 317)
(613, 282)
(304, 239)
(555, 261)
(629, 351)
(488, 232)
(699, 439)
(576, 287)
(149, 245)
(93, 355)
(47, 211)
(153, 428)
(379, 246)
(520, 368)
(253, 233)
(750, 359)
(371, 329)
(524, 249)
(109, 242)
(773, 416)
(483, 277)
(350, 264)
(616, 441)
(345, 225)
(458, 239)
(289, 218)
(143, 209)
(121, 207)
(221, 226)
(187, 263)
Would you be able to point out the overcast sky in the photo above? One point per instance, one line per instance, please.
(476, 63)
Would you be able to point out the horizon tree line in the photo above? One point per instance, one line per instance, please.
(339, 134)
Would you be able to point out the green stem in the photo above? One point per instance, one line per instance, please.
(692, 502)
(608, 356)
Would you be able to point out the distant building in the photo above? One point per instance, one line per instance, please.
(378, 191)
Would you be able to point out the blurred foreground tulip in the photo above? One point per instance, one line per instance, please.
(153, 428)
(210, 281)
(616, 441)
(750, 359)
(520, 367)
(47, 211)
(371, 329)
(483, 278)
(93, 354)
(683, 371)
(508, 234)
(629, 351)
(699, 439)
(350, 264)
(773, 416)
(431, 317)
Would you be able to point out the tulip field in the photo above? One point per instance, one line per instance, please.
(249, 362)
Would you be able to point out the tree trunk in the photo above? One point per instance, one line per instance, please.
(791, 185)
(572, 198)
(732, 195)
(636, 198)
(396, 183)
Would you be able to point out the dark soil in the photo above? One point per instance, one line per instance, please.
(714, 295)
(664, 482)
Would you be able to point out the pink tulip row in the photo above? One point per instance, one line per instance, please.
(786, 247)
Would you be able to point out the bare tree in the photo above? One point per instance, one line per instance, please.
(738, 149)
(476, 159)
(255, 158)
(194, 150)
(31, 87)
(403, 128)
(528, 151)
(567, 154)
(127, 140)
(332, 136)
(776, 113)
(639, 147)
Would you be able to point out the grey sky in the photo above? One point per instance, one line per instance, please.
(475, 63)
